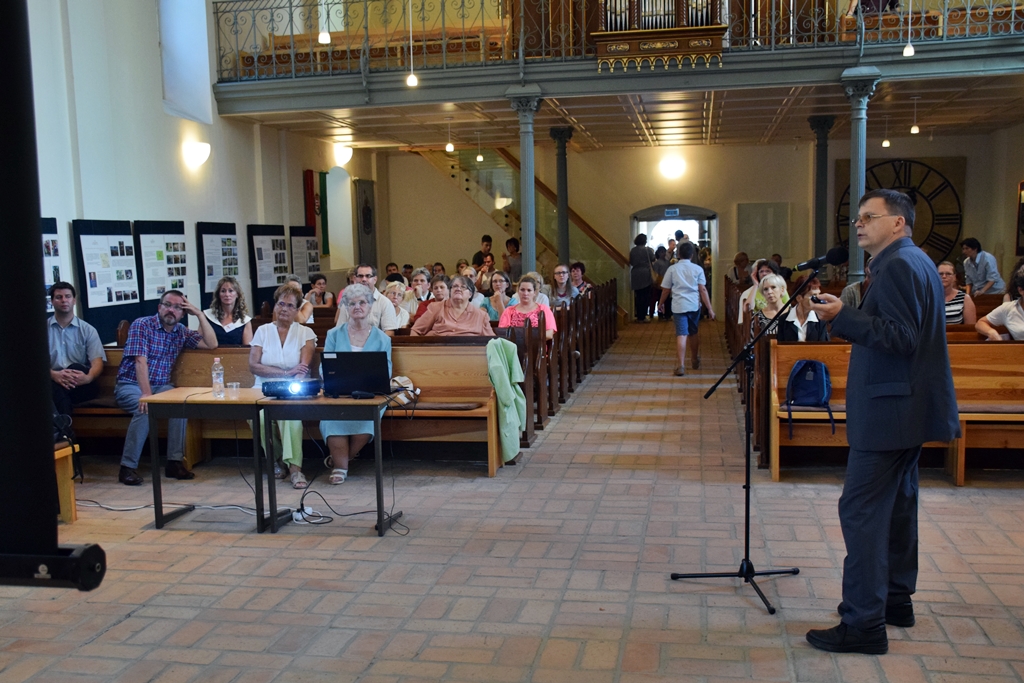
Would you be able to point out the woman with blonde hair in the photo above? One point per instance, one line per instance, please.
(395, 293)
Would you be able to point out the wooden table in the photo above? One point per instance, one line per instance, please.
(198, 403)
(322, 408)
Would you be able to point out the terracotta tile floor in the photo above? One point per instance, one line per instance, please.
(556, 570)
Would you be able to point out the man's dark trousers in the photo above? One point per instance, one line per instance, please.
(878, 515)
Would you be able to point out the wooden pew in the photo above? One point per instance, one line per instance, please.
(63, 452)
(988, 378)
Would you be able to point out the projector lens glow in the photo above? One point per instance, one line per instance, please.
(294, 387)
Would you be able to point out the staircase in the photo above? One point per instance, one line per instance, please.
(493, 185)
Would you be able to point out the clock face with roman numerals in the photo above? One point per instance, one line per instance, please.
(939, 214)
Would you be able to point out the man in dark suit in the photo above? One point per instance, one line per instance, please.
(899, 394)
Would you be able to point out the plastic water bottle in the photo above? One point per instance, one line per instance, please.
(218, 379)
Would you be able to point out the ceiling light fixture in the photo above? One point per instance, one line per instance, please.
(479, 154)
(914, 130)
(931, 134)
(324, 38)
(449, 147)
(411, 80)
(885, 140)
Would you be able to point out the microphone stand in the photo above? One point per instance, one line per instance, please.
(746, 571)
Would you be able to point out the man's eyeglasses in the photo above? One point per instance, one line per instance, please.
(174, 307)
(866, 218)
(364, 276)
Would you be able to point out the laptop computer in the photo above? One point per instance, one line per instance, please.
(348, 371)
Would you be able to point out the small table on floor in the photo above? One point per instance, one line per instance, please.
(323, 408)
(197, 403)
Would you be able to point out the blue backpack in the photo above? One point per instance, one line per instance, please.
(809, 386)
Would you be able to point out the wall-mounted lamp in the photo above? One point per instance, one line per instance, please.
(342, 153)
(672, 167)
(195, 153)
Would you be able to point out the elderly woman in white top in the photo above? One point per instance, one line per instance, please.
(284, 348)
(345, 438)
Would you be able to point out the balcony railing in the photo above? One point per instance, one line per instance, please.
(271, 39)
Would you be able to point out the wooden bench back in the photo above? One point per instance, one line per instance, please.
(992, 372)
(784, 356)
(446, 369)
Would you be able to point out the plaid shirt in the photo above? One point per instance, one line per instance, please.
(147, 337)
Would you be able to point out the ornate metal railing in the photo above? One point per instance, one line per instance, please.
(269, 39)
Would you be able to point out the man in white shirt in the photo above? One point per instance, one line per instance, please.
(76, 352)
(686, 281)
(382, 313)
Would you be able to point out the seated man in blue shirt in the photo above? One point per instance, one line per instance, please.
(981, 273)
(76, 353)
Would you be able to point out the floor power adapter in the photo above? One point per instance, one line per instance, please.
(297, 514)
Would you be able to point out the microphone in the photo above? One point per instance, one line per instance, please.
(836, 256)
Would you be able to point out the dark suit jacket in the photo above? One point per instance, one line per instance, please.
(899, 391)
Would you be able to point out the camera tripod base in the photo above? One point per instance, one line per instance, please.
(745, 572)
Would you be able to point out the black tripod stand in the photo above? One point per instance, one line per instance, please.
(747, 572)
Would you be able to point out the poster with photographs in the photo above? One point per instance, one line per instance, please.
(51, 265)
(221, 255)
(271, 260)
(164, 263)
(305, 257)
(109, 270)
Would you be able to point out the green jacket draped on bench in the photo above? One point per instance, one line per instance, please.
(506, 373)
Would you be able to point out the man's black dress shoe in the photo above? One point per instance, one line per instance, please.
(176, 470)
(896, 614)
(846, 638)
(129, 477)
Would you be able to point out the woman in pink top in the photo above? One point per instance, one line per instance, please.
(515, 316)
(455, 317)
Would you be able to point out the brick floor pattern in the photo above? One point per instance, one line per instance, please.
(554, 571)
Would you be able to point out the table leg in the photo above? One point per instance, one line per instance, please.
(382, 526)
(160, 519)
(258, 470)
(277, 520)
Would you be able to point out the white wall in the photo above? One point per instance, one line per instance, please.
(430, 218)
(107, 150)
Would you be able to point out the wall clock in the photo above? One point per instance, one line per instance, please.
(939, 212)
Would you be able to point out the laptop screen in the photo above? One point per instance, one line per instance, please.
(348, 371)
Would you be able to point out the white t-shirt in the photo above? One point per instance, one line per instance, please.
(1011, 316)
(683, 278)
(276, 354)
(382, 313)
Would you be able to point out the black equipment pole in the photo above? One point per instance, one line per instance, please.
(29, 554)
(746, 571)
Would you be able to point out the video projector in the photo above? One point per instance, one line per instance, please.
(291, 388)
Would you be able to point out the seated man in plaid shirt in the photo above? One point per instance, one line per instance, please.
(153, 345)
